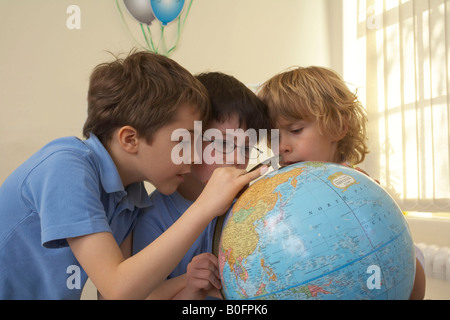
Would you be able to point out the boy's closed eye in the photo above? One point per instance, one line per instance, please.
(296, 127)
(297, 131)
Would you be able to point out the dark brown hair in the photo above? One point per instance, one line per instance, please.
(143, 91)
(230, 96)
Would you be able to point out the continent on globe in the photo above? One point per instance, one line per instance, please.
(311, 231)
(240, 238)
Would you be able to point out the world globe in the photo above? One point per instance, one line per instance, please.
(316, 231)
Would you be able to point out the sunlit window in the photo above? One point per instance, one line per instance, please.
(397, 55)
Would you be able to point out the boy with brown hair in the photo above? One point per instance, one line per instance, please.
(234, 107)
(67, 213)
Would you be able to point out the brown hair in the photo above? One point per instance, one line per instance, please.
(319, 94)
(143, 91)
(229, 97)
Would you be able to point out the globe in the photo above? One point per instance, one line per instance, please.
(316, 231)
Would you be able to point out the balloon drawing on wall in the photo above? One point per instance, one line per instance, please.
(156, 14)
(167, 10)
(141, 10)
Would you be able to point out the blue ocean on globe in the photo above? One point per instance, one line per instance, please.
(316, 230)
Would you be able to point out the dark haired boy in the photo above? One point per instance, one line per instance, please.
(234, 107)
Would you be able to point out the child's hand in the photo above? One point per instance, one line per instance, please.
(202, 276)
(223, 186)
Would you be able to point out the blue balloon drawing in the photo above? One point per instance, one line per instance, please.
(167, 10)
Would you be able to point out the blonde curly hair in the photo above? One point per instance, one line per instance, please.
(319, 94)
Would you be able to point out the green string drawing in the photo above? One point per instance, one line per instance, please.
(145, 12)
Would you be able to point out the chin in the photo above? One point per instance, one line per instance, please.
(167, 189)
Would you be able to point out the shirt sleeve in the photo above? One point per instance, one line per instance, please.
(65, 191)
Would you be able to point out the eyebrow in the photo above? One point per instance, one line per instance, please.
(296, 123)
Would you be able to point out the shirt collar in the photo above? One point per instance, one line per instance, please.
(109, 175)
(138, 195)
(110, 178)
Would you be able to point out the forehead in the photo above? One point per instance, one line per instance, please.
(186, 110)
(232, 122)
(282, 122)
(185, 117)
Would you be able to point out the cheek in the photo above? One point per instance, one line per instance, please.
(300, 148)
(242, 166)
(304, 151)
(202, 172)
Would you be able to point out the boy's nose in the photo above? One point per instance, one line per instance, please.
(284, 146)
(239, 158)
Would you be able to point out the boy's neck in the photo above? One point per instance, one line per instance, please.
(122, 163)
(191, 188)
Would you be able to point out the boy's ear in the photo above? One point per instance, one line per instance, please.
(128, 138)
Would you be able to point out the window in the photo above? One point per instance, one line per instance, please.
(397, 54)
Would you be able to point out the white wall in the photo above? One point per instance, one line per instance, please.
(253, 39)
(45, 67)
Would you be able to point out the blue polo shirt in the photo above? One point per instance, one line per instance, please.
(67, 189)
(163, 213)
